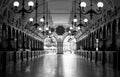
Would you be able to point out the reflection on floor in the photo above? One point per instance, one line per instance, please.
(52, 65)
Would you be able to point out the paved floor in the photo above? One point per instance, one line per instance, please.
(68, 65)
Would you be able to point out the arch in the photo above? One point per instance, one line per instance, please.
(9, 32)
(69, 44)
(94, 39)
(114, 27)
(20, 39)
(101, 33)
(17, 39)
(4, 31)
(97, 33)
(91, 40)
(50, 44)
(12, 33)
(109, 31)
(119, 26)
(104, 31)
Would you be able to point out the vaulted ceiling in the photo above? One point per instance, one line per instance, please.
(60, 11)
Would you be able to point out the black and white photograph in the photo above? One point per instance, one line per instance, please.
(59, 38)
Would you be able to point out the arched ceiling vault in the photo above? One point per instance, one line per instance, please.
(65, 6)
(60, 10)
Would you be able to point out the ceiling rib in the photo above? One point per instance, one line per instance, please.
(112, 4)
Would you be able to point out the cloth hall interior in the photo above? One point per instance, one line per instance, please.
(59, 38)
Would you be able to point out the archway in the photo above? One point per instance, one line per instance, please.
(69, 44)
(50, 44)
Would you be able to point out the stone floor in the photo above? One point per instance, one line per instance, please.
(52, 65)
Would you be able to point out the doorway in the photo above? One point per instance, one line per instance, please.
(69, 44)
(50, 44)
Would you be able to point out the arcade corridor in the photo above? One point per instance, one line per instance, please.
(59, 38)
(52, 65)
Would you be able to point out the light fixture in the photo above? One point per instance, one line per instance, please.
(71, 28)
(50, 32)
(83, 4)
(40, 29)
(36, 15)
(85, 20)
(16, 4)
(30, 3)
(69, 32)
(75, 19)
(31, 19)
(47, 28)
(78, 28)
(42, 20)
(100, 4)
(98, 11)
(23, 10)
